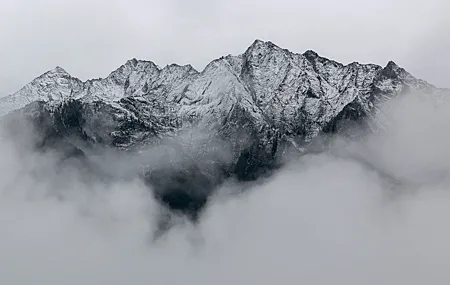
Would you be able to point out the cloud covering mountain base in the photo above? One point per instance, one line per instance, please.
(372, 211)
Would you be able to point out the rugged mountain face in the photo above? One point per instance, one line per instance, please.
(249, 109)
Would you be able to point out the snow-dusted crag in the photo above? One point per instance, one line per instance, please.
(259, 102)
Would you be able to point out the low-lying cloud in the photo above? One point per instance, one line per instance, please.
(372, 211)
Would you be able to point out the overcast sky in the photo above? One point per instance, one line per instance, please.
(91, 38)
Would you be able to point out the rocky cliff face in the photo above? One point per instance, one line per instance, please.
(253, 107)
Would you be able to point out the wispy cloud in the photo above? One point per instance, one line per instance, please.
(328, 218)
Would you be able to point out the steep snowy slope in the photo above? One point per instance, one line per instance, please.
(53, 87)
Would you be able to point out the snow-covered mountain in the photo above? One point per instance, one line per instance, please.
(272, 85)
(260, 103)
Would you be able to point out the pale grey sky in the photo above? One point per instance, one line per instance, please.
(92, 38)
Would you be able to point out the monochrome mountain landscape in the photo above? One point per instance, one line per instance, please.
(239, 118)
(269, 161)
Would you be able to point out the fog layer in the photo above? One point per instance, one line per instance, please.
(373, 211)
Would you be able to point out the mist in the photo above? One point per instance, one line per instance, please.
(366, 211)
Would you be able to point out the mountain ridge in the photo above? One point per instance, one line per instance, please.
(302, 94)
(58, 70)
(257, 105)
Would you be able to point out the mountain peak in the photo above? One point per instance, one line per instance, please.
(58, 70)
(392, 65)
(259, 44)
(136, 63)
(132, 62)
(310, 54)
(392, 70)
(177, 66)
(132, 66)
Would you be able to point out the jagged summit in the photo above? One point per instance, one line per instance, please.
(311, 54)
(392, 65)
(260, 43)
(259, 46)
(57, 71)
(266, 78)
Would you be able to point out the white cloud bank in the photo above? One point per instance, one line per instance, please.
(326, 219)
